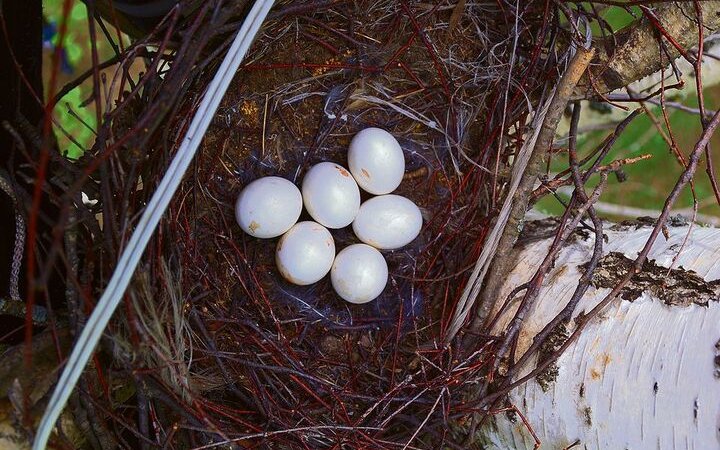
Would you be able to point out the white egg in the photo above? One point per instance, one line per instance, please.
(388, 222)
(376, 161)
(305, 253)
(359, 273)
(331, 195)
(268, 207)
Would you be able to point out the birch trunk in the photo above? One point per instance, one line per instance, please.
(642, 375)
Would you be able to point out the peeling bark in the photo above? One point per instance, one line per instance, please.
(637, 50)
(643, 374)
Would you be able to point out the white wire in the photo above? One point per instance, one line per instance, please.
(130, 257)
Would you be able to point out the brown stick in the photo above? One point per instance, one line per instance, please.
(504, 257)
(635, 55)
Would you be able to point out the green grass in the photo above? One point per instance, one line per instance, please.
(615, 16)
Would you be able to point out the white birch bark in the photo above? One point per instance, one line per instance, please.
(643, 375)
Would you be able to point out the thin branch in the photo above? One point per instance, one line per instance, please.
(635, 56)
(519, 200)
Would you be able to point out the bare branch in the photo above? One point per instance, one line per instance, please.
(637, 50)
(520, 198)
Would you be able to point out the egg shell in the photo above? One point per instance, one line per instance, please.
(305, 254)
(268, 207)
(388, 222)
(359, 273)
(331, 195)
(376, 161)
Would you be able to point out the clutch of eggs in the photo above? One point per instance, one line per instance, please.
(270, 207)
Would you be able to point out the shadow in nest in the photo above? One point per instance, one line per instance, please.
(296, 366)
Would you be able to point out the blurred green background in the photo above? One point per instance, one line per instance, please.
(75, 123)
(648, 182)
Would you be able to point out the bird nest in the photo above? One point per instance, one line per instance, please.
(297, 365)
(220, 350)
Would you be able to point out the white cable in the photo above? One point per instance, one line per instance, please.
(130, 257)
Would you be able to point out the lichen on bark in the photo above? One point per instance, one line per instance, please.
(553, 342)
(675, 287)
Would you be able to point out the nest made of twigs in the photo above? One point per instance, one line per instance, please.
(299, 357)
(233, 354)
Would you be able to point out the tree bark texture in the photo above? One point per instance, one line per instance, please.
(644, 374)
(21, 122)
(637, 52)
